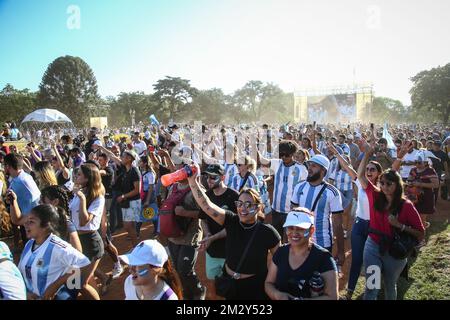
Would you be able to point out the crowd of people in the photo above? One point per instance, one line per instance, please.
(270, 206)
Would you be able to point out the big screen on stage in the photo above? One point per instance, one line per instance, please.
(339, 108)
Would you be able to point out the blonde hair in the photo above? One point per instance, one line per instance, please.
(45, 174)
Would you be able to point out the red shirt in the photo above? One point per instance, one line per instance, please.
(379, 220)
(425, 205)
(5, 149)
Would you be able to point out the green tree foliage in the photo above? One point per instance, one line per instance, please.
(69, 85)
(119, 108)
(16, 104)
(431, 93)
(389, 110)
(172, 94)
(209, 106)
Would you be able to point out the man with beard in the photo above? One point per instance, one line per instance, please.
(325, 201)
(214, 234)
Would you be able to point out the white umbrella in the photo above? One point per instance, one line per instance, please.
(46, 116)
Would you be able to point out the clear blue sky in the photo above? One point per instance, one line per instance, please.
(131, 44)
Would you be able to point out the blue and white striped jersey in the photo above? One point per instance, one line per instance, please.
(237, 180)
(46, 264)
(331, 173)
(343, 181)
(285, 179)
(12, 286)
(330, 202)
(231, 170)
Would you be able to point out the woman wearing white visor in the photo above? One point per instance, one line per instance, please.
(152, 275)
(301, 269)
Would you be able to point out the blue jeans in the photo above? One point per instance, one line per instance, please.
(390, 267)
(360, 231)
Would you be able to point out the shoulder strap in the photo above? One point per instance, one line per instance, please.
(247, 248)
(166, 295)
(244, 181)
(325, 184)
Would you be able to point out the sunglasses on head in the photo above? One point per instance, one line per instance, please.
(386, 183)
(246, 204)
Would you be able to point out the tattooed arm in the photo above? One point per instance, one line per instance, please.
(215, 212)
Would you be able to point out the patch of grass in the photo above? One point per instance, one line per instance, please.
(429, 272)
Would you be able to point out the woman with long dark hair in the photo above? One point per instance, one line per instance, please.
(392, 213)
(86, 210)
(368, 172)
(152, 274)
(47, 262)
(58, 197)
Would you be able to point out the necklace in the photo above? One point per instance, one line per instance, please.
(247, 228)
(143, 297)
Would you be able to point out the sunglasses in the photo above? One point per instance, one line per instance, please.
(371, 169)
(213, 177)
(246, 204)
(386, 183)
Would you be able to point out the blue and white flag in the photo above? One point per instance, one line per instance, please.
(388, 137)
(153, 120)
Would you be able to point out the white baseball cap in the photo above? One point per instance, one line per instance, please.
(301, 218)
(350, 137)
(321, 160)
(358, 136)
(147, 252)
(97, 143)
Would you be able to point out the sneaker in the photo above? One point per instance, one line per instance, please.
(421, 244)
(117, 270)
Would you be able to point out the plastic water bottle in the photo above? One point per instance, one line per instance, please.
(178, 175)
(316, 284)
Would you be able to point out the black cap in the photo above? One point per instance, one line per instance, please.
(215, 169)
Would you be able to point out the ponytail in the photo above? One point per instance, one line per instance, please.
(170, 276)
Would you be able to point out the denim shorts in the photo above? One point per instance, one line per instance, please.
(213, 266)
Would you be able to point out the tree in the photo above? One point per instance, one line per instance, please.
(16, 104)
(69, 85)
(249, 98)
(120, 107)
(431, 92)
(209, 106)
(172, 93)
(389, 110)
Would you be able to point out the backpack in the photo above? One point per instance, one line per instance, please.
(169, 225)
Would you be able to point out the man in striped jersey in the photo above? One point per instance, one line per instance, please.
(287, 174)
(325, 201)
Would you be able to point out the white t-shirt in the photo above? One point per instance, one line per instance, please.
(96, 209)
(130, 291)
(363, 207)
(12, 286)
(46, 264)
(409, 157)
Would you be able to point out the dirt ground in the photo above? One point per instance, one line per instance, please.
(115, 289)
